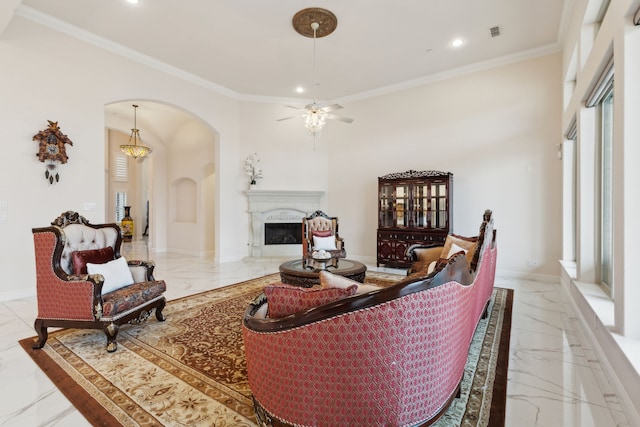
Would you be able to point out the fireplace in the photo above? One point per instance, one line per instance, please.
(287, 233)
(275, 216)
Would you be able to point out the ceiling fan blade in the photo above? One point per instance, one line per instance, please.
(340, 118)
(294, 107)
(286, 118)
(330, 108)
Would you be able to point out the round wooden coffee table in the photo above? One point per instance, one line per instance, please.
(306, 272)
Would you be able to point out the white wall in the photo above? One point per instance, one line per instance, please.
(46, 75)
(286, 151)
(191, 152)
(496, 131)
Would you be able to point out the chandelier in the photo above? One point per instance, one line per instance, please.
(134, 150)
(316, 22)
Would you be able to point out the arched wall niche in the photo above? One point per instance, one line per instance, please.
(185, 192)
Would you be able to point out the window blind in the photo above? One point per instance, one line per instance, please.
(122, 169)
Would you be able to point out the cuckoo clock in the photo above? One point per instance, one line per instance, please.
(51, 150)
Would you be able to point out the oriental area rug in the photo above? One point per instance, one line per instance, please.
(190, 370)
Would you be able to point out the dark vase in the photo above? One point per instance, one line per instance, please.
(127, 225)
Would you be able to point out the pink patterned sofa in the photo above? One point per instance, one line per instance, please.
(392, 356)
(70, 296)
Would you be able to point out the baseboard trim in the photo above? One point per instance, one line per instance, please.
(510, 274)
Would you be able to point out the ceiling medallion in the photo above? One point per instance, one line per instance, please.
(326, 19)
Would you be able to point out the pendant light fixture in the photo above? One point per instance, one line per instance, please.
(316, 22)
(134, 150)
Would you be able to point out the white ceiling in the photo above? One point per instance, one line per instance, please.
(248, 48)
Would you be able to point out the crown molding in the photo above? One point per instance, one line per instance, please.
(38, 17)
(468, 69)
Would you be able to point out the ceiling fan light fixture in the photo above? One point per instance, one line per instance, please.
(314, 121)
(315, 22)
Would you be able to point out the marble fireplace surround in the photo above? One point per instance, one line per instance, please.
(269, 206)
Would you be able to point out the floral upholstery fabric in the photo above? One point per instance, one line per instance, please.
(129, 297)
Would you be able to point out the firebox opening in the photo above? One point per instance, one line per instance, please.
(276, 233)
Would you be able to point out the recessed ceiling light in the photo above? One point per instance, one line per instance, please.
(133, 1)
(299, 89)
(457, 42)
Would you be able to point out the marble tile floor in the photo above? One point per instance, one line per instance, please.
(555, 377)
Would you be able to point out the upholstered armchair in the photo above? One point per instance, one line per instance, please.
(83, 282)
(392, 356)
(320, 232)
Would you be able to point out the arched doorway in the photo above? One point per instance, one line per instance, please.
(176, 181)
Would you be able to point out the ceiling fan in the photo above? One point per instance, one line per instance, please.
(321, 22)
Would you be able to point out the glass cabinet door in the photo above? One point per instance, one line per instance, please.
(438, 198)
(386, 206)
(421, 204)
(402, 207)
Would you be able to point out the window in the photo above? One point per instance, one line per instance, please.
(121, 168)
(606, 189)
(601, 97)
(121, 202)
(570, 198)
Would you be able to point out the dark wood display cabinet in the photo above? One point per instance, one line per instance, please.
(413, 207)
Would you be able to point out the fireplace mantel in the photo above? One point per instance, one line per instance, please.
(278, 206)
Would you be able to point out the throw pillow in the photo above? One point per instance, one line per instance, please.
(431, 267)
(329, 280)
(455, 249)
(326, 243)
(321, 233)
(285, 299)
(79, 259)
(467, 243)
(116, 274)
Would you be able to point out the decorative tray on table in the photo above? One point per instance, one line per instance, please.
(321, 255)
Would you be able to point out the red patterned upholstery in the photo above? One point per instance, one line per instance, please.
(288, 299)
(392, 358)
(74, 300)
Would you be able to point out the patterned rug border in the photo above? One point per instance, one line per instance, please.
(95, 413)
(98, 415)
(497, 417)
